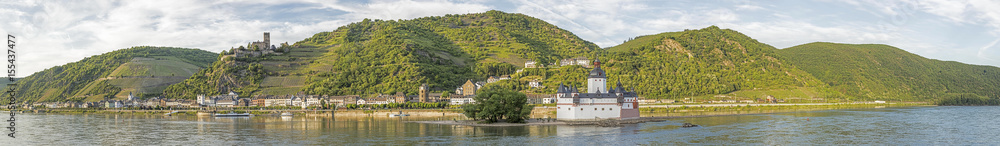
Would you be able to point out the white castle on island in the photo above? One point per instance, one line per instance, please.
(598, 103)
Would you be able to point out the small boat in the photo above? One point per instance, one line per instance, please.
(234, 115)
(286, 114)
(401, 114)
(171, 113)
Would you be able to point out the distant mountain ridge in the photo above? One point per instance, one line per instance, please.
(882, 72)
(709, 61)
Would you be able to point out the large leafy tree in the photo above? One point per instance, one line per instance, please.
(496, 103)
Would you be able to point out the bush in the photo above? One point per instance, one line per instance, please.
(495, 104)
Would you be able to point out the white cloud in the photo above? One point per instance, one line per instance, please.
(57, 32)
(404, 9)
(782, 34)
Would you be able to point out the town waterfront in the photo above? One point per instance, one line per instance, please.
(877, 126)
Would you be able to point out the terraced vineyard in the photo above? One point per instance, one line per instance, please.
(143, 70)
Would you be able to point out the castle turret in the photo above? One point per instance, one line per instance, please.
(597, 80)
(267, 39)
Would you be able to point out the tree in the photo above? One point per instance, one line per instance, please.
(495, 103)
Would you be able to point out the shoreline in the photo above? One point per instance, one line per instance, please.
(537, 122)
(651, 112)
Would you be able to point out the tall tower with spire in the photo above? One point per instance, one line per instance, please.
(597, 81)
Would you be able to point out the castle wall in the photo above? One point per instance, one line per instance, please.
(587, 109)
(627, 114)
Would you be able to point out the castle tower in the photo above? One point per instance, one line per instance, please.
(597, 80)
(267, 39)
(423, 93)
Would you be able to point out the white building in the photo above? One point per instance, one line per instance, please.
(598, 102)
(530, 64)
(535, 84)
(582, 61)
(132, 97)
(548, 100)
(461, 101)
(277, 102)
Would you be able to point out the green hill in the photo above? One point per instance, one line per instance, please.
(388, 56)
(114, 74)
(872, 71)
(709, 61)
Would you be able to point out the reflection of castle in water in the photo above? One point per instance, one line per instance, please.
(598, 134)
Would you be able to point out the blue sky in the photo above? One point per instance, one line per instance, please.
(51, 33)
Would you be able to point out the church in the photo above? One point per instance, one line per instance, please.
(598, 102)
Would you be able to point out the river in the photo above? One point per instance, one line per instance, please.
(879, 126)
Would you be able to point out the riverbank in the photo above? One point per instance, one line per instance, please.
(321, 113)
(540, 112)
(656, 114)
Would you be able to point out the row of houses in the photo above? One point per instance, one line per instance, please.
(152, 102)
(582, 61)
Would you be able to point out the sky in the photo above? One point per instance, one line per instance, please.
(52, 33)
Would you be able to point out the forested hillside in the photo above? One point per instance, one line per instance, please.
(443, 52)
(872, 71)
(220, 78)
(388, 56)
(705, 62)
(67, 82)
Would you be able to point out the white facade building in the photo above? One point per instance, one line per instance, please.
(461, 101)
(598, 103)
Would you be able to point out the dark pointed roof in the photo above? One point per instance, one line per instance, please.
(561, 88)
(597, 73)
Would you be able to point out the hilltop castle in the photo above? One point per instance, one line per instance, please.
(258, 48)
(599, 102)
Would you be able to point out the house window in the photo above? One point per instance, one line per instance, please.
(602, 109)
(595, 109)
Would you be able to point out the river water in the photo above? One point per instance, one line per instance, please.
(880, 126)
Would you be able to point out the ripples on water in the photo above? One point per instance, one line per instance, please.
(885, 126)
